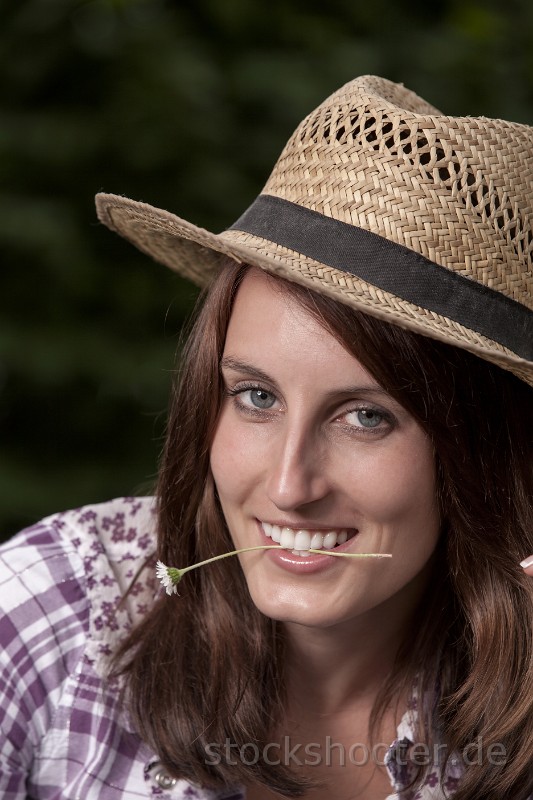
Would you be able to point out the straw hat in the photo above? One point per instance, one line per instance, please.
(391, 207)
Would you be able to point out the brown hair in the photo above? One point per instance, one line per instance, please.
(209, 667)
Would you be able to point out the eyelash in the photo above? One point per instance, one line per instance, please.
(234, 392)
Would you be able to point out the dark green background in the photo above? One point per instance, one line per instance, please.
(184, 105)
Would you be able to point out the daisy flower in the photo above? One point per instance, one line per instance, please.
(168, 576)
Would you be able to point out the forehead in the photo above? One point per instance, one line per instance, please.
(269, 325)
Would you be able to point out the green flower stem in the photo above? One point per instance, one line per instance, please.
(352, 555)
(279, 547)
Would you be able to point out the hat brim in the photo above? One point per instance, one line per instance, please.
(197, 254)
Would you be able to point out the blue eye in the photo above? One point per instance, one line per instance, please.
(260, 399)
(369, 418)
(252, 398)
(365, 418)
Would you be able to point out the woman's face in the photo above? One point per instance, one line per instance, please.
(309, 448)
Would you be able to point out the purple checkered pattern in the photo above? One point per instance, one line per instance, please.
(63, 733)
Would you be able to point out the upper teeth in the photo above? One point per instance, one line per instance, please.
(303, 539)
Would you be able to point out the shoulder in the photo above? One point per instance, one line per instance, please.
(112, 524)
(62, 584)
(76, 566)
(63, 729)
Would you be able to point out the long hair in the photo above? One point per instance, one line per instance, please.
(207, 668)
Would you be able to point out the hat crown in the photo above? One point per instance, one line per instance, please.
(457, 190)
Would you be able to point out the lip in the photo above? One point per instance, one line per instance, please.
(304, 564)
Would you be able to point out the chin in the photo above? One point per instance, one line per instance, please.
(290, 606)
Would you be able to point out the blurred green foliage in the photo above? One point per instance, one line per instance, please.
(185, 105)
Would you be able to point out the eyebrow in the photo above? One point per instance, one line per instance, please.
(241, 366)
(236, 364)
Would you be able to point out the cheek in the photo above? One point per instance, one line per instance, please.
(221, 457)
(232, 458)
(398, 487)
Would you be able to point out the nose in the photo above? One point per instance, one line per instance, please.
(297, 470)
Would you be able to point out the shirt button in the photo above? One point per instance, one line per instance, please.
(164, 780)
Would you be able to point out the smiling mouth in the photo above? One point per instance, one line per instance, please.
(300, 541)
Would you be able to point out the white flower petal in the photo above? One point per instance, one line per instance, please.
(161, 571)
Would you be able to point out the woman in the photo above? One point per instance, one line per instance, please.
(358, 380)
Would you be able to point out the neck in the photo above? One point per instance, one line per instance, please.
(326, 666)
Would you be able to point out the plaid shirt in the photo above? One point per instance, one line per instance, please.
(63, 735)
